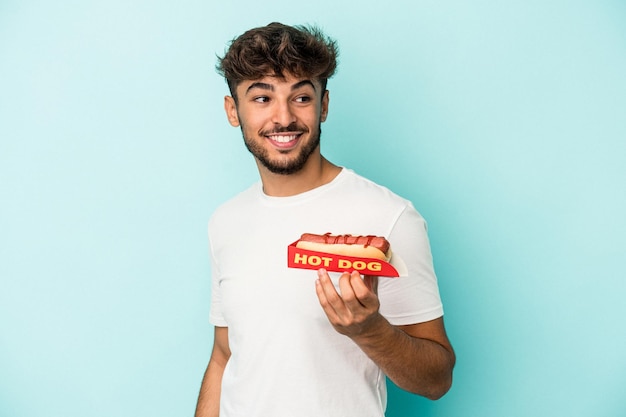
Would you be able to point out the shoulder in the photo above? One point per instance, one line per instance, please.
(236, 207)
(372, 191)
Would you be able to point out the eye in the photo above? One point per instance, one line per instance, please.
(303, 99)
(262, 99)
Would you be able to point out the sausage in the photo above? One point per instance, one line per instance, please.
(369, 246)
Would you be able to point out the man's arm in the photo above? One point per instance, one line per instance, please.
(209, 398)
(418, 358)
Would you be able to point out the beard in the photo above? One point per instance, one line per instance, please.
(287, 165)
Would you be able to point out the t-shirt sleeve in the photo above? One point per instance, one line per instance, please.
(216, 317)
(414, 298)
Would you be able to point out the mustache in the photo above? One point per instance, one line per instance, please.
(293, 127)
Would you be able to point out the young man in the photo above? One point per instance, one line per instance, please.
(291, 342)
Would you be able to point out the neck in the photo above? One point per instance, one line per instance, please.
(316, 172)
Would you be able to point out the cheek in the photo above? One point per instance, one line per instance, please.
(258, 117)
(312, 118)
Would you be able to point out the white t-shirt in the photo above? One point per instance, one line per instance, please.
(287, 360)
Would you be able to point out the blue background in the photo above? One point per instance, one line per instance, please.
(504, 123)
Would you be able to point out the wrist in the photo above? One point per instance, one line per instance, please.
(377, 331)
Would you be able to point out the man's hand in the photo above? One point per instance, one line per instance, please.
(354, 310)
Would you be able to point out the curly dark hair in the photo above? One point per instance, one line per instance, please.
(276, 50)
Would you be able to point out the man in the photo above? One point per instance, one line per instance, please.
(291, 342)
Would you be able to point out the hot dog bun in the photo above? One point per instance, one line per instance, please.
(375, 247)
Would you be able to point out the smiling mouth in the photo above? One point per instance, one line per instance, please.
(284, 140)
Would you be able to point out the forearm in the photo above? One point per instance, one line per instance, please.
(421, 366)
(210, 391)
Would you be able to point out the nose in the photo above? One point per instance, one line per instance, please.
(283, 114)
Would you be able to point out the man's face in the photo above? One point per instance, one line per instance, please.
(280, 120)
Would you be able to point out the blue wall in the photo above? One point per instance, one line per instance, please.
(505, 124)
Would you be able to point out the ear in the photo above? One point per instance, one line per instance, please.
(324, 112)
(231, 111)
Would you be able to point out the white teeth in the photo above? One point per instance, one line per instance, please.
(283, 138)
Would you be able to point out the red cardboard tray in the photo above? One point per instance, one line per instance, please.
(308, 259)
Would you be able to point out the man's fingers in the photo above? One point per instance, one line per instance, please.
(354, 294)
(371, 282)
(326, 306)
(348, 295)
(363, 289)
(328, 296)
(353, 307)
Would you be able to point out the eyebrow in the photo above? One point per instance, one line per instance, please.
(270, 87)
(302, 84)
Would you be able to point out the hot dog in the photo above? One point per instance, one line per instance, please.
(376, 247)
